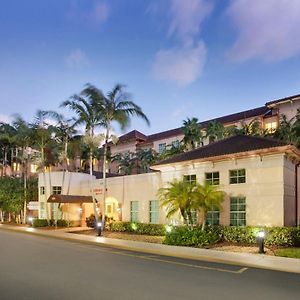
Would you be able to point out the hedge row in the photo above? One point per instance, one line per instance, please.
(44, 223)
(275, 236)
(138, 228)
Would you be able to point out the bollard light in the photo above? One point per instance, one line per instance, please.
(99, 226)
(30, 219)
(260, 238)
(168, 228)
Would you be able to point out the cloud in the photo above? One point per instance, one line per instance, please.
(77, 58)
(97, 13)
(5, 118)
(182, 65)
(187, 17)
(267, 30)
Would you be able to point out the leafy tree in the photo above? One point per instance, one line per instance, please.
(192, 134)
(118, 107)
(146, 158)
(205, 197)
(215, 131)
(177, 197)
(170, 151)
(126, 162)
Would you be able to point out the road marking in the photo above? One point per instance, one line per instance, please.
(155, 258)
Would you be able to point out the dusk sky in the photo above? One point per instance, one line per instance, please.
(178, 58)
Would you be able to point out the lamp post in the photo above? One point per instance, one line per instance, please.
(99, 227)
(260, 238)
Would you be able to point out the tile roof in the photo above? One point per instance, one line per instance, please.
(252, 113)
(234, 144)
(282, 99)
(58, 198)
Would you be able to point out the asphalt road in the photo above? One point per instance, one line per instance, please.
(33, 267)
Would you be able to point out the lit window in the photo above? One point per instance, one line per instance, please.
(33, 168)
(162, 147)
(212, 178)
(271, 126)
(134, 211)
(154, 211)
(192, 179)
(42, 190)
(238, 211)
(237, 176)
(56, 190)
(16, 167)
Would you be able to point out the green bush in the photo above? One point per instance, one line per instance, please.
(195, 237)
(138, 228)
(40, 223)
(63, 223)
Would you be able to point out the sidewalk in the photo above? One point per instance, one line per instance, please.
(243, 259)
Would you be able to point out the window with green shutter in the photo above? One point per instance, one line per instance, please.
(154, 211)
(238, 211)
(213, 217)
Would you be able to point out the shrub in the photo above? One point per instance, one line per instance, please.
(138, 228)
(195, 237)
(40, 223)
(63, 223)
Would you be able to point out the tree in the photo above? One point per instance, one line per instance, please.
(192, 134)
(252, 128)
(146, 158)
(215, 131)
(87, 106)
(118, 107)
(170, 151)
(205, 198)
(126, 162)
(177, 197)
(286, 130)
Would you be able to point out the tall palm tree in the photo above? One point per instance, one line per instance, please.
(205, 197)
(146, 157)
(192, 134)
(118, 107)
(126, 162)
(177, 197)
(215, 131)
(87, 106)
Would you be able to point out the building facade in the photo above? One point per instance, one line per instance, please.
(259, 176)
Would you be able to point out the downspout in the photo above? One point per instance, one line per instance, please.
(296, 193)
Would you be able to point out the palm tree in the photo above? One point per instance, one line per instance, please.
(118, 107)
(192, 134)
(87, 106)
(215, 131)
(253, 128)
(285, 130)
(205, 197)
(126, 162)
(146, 158)
(177, 197)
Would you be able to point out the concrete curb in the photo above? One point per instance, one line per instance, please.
(275, 263)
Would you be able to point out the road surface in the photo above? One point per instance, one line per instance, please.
(34, 267)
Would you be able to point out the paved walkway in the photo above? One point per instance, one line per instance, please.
(242, 259)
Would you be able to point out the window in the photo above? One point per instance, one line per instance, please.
(212, 178)
(33, 168)
(56, 190)
(154, 211)
(42, 190)
(237, 176)
(134, 211)
(238, 211)
(176, 144)
(192, 179)
(162, 147)
(271, 126)
(213, 217)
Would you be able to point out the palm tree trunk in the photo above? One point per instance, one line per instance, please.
(203, 221)
(104, 176)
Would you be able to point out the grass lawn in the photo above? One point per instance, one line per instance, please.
(288, 252)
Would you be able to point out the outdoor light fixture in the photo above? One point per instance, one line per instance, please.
(134, 226)
(168, 228)
(260, 238)
(30, 219)
(99, 226)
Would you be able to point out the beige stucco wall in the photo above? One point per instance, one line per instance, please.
(268, 188)
(289, 193)
(263, 188)
(289, 109)
(168, 141)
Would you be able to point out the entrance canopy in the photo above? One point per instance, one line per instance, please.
(57, 198)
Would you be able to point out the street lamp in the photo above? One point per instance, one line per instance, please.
(260, 238)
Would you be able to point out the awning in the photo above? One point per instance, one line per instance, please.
(57, 198)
